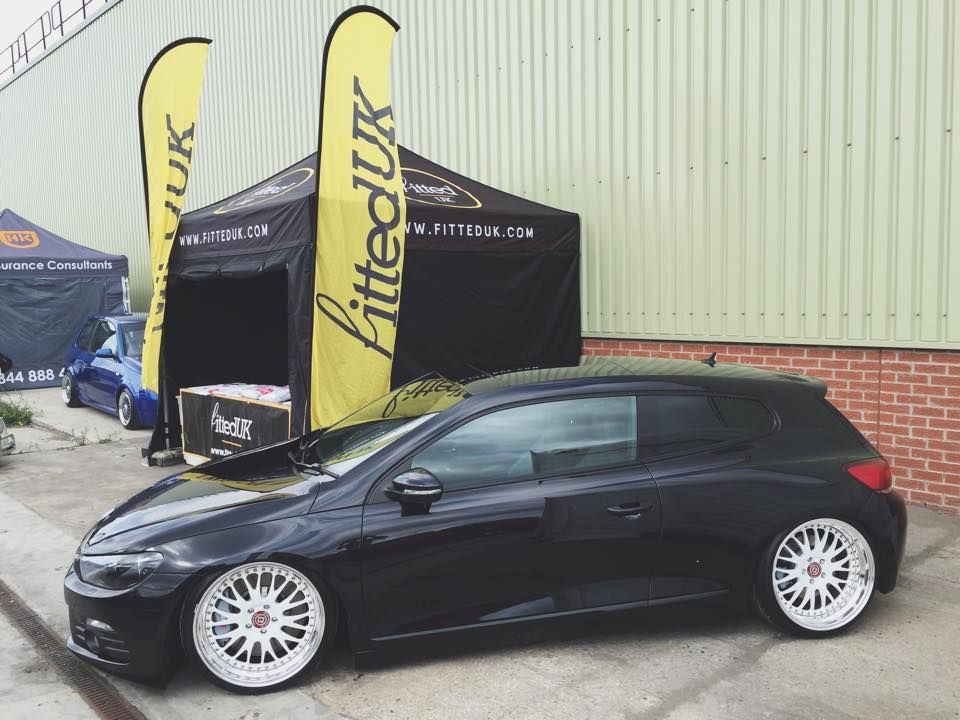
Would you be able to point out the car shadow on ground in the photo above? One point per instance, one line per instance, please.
(601, 635)
(675, 623)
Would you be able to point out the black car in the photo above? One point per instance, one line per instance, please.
(616, 484)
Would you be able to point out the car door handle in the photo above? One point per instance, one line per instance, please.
(631, 510)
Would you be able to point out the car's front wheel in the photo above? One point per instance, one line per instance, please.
(127, 411)
(258, 626)
(68, 391)
(817, 578)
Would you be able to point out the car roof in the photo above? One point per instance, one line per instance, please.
(122, 319)
(719, 377)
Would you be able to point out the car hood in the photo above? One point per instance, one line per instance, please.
(254, 486)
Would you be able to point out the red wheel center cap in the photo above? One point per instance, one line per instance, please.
(260, 619)
(814, 569)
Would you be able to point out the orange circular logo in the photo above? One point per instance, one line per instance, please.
(19, 239)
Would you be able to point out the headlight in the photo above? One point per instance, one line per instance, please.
(116, 572)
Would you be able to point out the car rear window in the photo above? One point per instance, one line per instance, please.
(83, 341)
(810, 424)
(681, 423)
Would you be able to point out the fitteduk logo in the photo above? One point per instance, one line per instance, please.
(377, 287)
(429, 189)
(276, 187)
(237, 427)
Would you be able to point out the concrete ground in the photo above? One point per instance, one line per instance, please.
(901, 660)
(56, 425)
(30, 688)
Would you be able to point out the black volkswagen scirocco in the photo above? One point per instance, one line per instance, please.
(621, 483)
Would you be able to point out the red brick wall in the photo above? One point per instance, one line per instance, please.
(906, 402)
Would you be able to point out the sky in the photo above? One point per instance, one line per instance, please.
(16, 15)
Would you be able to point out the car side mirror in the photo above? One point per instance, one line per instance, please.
(417, 487)
(105, 353)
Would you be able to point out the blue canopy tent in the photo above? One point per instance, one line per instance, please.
(48, 285)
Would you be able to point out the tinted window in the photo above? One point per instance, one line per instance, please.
(809, 422)
(342, 448)
(83, 341)
(105, 336)
(531, 440)
(676, 423)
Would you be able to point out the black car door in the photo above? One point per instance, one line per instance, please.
(545, 510)
(707, 453)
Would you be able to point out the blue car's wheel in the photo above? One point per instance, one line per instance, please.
(68, 391)
(127, 411)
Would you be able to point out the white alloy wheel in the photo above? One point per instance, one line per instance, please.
(823, 574)
(258, 625)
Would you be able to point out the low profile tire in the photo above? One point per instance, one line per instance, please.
(816, 579)
(127, 411)
(258, 627)
(68, 391)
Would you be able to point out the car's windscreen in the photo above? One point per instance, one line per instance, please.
(341, 449)
(382, 421)
(133, 340)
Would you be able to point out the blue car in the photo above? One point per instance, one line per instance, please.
(103, 370)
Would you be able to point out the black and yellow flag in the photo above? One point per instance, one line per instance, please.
(169, 102)
(360, 220)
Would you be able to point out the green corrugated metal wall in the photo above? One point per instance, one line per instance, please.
(778, 171)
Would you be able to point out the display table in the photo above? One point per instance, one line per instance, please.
(215, 425)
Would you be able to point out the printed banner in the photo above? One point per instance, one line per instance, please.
(169, 102)
(420, 397)
(33, 376)
(217, 426)
(361, 214)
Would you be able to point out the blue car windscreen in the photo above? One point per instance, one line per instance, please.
(133, 341)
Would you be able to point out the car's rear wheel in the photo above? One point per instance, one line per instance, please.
(816, 579)
(258, 627)
(127, 411)
(68, 391)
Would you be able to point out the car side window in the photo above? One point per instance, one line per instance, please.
(105, 337)
(111, 343)
(679, 423)
(529, 441)
(86, 335)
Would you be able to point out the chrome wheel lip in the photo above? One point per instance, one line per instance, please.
(124, 409)
(823, 574)
(66, 389)
(212, 622)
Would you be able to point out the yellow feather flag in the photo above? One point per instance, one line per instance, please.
(361, 214)
(169, 102)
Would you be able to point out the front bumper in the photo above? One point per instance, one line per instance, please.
(8, 444)
(130, 632)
